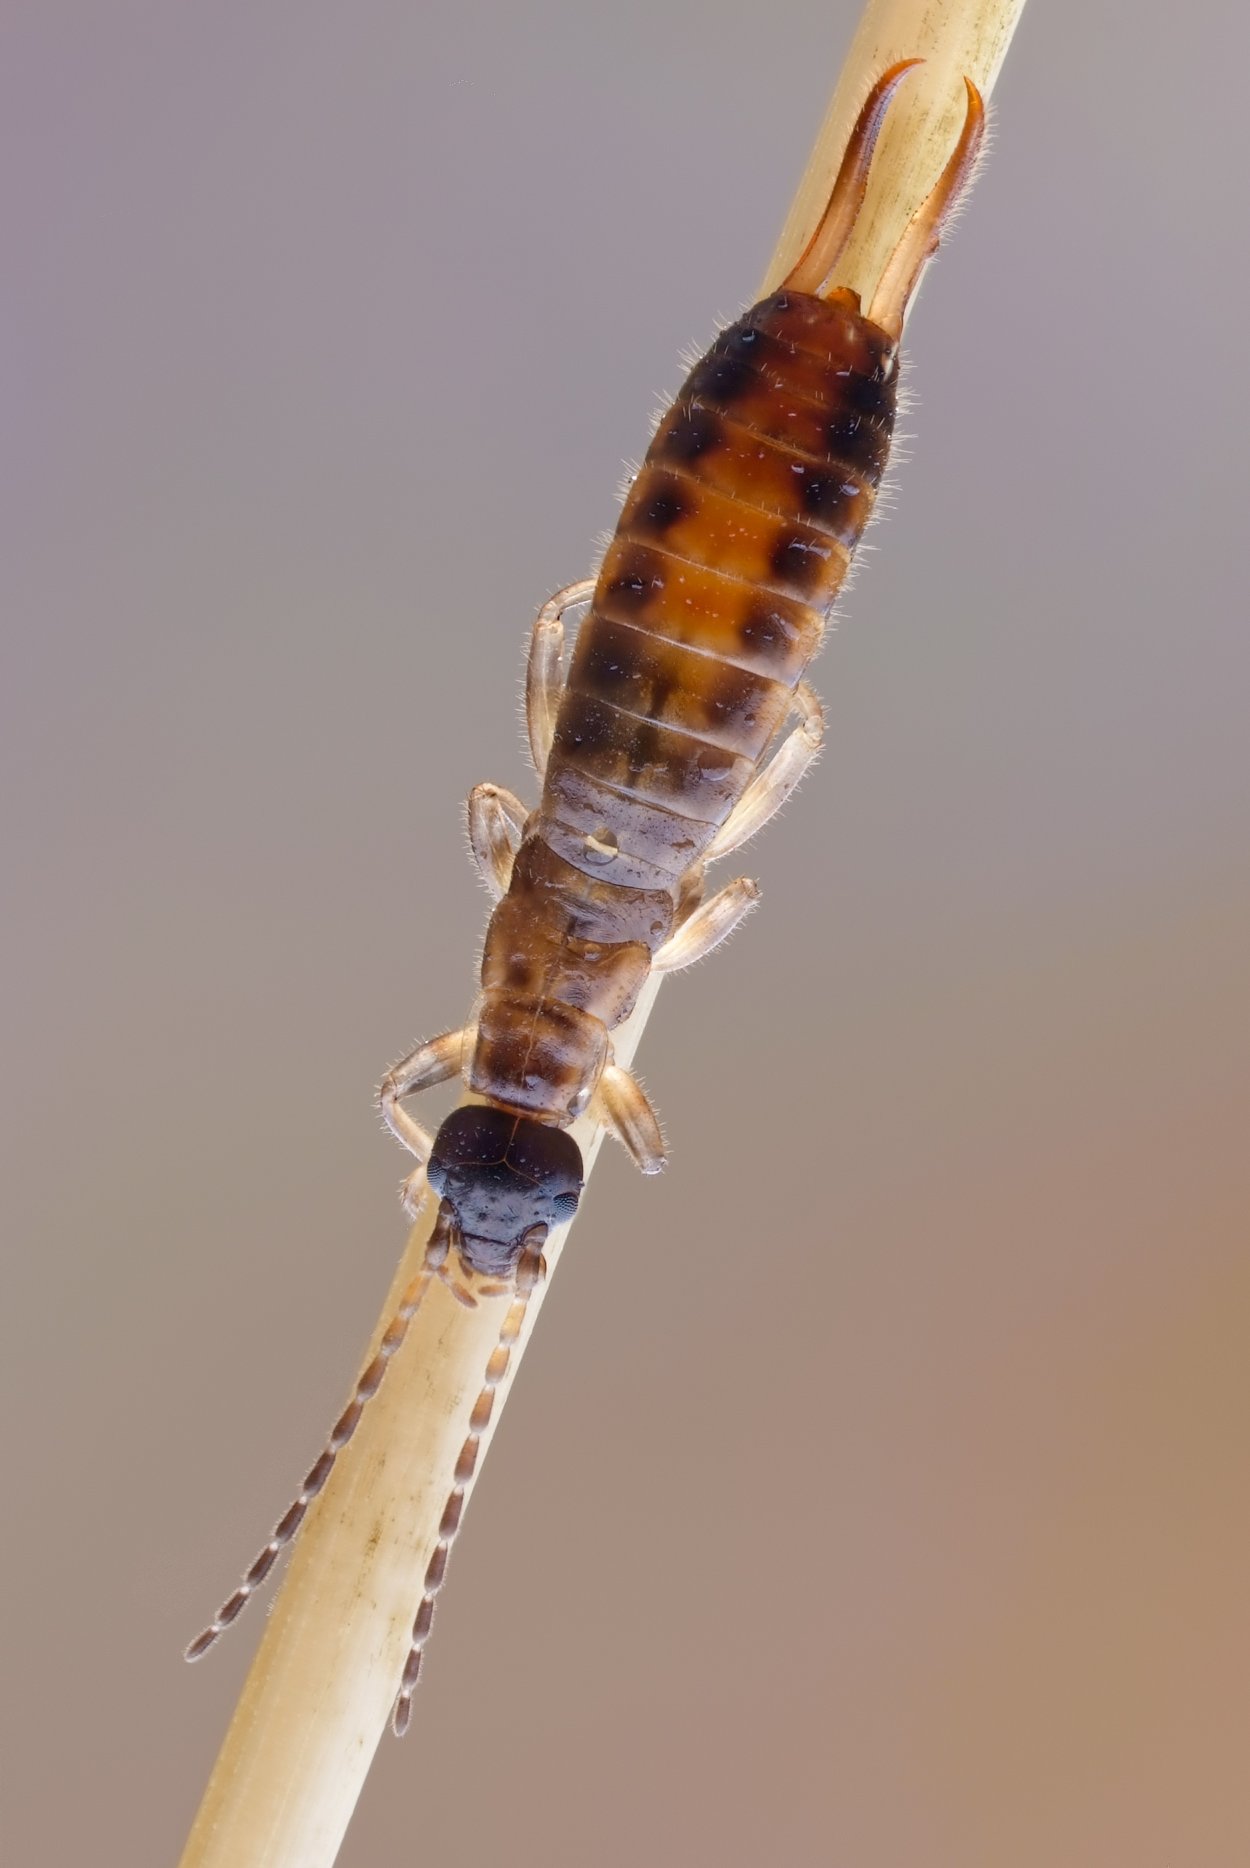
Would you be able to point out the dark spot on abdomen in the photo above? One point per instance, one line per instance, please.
(866, 395)
(824, 493)
(659, 501)
(801, 562)
(635, 580)
(780, 637)
(685, 434)
(722, 377)
(588, 729)
(862, 441)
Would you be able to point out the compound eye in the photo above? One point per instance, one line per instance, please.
(563, 1207)
(436, 1174)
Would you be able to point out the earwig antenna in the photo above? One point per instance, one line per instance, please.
(824, 249)
(923, 232)
(340, 1434)
(530, 1272)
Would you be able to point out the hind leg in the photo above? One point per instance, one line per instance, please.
(765, 795)
(544, 676)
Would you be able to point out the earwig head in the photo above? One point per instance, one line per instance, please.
(499, 1176)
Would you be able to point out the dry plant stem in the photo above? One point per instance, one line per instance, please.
(319, 1694)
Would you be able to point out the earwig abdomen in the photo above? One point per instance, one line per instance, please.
(734, 542)
(713, 597)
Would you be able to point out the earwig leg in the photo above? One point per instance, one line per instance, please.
(690, 893)
(765, 795)
(923, 233)
(496, 821)
(429, 1064)
(544, 676)
(707, 927)
(530, 1272)
(847, 198)
(341, 1433)
(621, 1105)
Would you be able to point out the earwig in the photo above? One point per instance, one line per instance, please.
(654, 754)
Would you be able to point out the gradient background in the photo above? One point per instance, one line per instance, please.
(326, 331)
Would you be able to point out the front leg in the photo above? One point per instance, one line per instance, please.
(429, 1064)
(544, 677)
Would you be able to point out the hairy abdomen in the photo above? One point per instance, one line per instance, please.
(714, 595)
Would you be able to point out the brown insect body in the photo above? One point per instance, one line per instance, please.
(713, 597)
(655, 751)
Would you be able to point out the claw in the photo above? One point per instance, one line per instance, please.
(923, 233)
(847, 198)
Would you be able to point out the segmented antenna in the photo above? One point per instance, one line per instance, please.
(530, 1272)
(340, 1434)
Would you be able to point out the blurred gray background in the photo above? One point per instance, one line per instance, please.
(325, 332)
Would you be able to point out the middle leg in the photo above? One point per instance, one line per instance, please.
(710, 924)
(496, 824)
